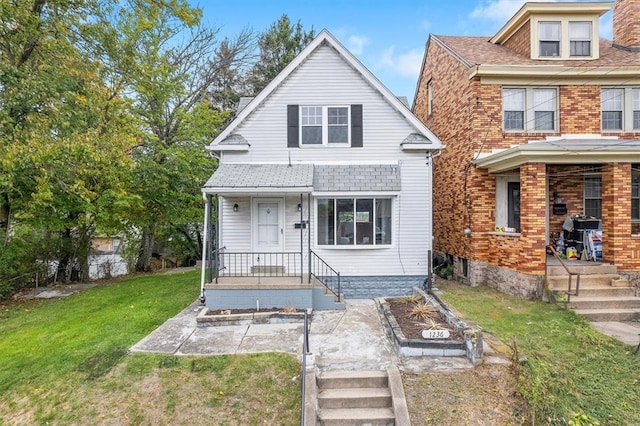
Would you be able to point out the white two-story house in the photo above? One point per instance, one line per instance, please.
(323, 178)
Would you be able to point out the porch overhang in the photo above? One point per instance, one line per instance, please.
(260, 178)
(563, 150)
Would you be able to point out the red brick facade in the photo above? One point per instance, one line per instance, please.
(467, 117)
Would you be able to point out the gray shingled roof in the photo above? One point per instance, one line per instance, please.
(238, 176)
(356, 178)
(415, 138)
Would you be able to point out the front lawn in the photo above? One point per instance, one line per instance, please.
(66, 362)
(569, 371)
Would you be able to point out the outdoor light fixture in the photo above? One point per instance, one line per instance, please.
(235, 207)
(299, 207)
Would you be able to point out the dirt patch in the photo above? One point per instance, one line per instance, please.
(412, 327)
(252, 311)
(484, 395)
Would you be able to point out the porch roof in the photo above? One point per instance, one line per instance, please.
(303, 178)
(562, 150)
(245, 178)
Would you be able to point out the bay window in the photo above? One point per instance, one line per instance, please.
(354, 221)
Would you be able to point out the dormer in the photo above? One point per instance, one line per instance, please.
(554, 31)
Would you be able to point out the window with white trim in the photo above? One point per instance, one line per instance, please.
(530, 109)
(635, 199)
(620, 108)
(580, 38)
(549, 38)
(354, 221)
(323, 125)
(593, 196)
(508, 202)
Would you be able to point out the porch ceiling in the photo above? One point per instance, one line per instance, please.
(248, 178)
(562, 151)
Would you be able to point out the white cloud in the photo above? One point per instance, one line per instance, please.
(496, 10)
(404, 64)
(356, 44)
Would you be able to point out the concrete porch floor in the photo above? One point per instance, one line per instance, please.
(257, 282)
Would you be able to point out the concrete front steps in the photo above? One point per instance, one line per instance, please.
(373, 398)
(603, 295)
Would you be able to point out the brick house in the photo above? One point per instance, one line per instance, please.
(541, 123)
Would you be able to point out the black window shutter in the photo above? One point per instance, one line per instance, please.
(356, 126)
(292, 126)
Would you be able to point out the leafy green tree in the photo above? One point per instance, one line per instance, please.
(279, 45)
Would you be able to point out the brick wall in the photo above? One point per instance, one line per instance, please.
(520, 42)
(580, 109)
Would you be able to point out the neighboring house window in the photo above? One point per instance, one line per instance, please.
(430, 97)
(354, 221)
(635, 199)
(530, 109)
(309, 125)
(549, 37)
(593, 196)
(580, 38)
(636, 108)
(612, 100)
(508, 201)
(620, 108)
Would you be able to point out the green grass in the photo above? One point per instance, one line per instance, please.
(66, 362)
(570, 368)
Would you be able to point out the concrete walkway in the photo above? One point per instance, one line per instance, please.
(353, 339)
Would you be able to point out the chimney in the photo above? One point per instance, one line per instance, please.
(626, 24)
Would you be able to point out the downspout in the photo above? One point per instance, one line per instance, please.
(205, 241)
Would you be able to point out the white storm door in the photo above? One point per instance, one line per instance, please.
(268, 225)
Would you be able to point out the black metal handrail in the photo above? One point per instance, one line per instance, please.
(257, 264)
(324, 273)
(571, 274)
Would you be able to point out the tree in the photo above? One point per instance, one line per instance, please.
(279, 45)
(63, 142)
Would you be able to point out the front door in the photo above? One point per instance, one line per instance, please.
(268, 225)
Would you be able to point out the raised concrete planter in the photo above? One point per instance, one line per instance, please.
(205, 320)
(470, 347)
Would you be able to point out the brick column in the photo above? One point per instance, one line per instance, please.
(616, 213)
(533, 213)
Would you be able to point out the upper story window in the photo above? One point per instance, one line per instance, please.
(620, 108)
(321, 125)
(430, 97)
(317, 125)
(580, 38)
(549, 37)
(563, 38)
(530, 109)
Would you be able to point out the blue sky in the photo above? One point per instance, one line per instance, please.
(388, 37)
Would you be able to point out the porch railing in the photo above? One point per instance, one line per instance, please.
(256, 264)
(569, 291)
(324, 273)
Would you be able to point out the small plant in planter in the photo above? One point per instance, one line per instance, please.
(447, 272)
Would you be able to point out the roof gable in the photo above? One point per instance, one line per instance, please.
(325, 38)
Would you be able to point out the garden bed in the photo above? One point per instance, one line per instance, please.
(455, 338)
(208, 318)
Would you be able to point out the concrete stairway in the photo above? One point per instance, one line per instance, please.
(603, 294)
(361, 398)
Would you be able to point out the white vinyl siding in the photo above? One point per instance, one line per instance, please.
(324, 79)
